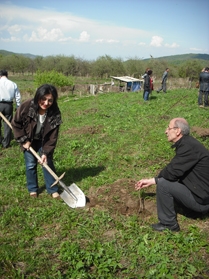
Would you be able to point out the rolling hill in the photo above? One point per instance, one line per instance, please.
(5, 53)
(174, 59)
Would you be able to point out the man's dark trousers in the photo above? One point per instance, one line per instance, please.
(167, 192)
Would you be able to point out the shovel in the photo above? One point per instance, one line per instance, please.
(72, 195)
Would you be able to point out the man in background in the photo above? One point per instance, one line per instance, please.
(8, 92)
(164, 79)
(204, 88)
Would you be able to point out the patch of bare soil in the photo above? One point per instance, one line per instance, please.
(84, 130)
(120, 198)
(202, 132)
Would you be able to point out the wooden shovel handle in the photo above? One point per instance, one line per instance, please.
(44, 164)
(5, 120)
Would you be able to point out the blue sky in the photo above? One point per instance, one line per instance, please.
(89, 29)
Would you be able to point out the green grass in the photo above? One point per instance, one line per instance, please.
(103, 138)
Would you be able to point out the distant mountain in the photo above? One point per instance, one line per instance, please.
(173, 59)
(186, 57)
(5, 53)
(178, 59)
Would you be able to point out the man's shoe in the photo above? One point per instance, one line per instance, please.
(160, 227)
(201, 106)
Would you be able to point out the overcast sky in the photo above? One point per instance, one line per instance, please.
(89, 29)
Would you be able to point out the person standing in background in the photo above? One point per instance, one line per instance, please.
(147, 85)
(145, 73)
(8, 92)
(151, 84)
(143, 76)
(164, 79)
(204, 88)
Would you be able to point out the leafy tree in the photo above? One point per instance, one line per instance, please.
(134, 67)
(84, 68)
(15, 63)
(106, 66)
(190, 69)
(38, 62)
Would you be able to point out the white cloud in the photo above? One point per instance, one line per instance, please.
(99, 40)
(84, 37)
(156, 41)
(195, 49)
(13, 29)
(43, 34)
(173, 45)
(108, 41)
(142, 44)
(11, 39)
(66, 39)
(112, 41)
(48, 25)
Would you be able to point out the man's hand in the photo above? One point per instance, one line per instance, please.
(143, 183)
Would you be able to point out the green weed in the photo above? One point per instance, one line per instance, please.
(102, 139)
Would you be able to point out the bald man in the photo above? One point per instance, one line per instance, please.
(185, 179)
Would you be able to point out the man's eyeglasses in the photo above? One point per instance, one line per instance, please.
(168, 128)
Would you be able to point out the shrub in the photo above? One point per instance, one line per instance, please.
(54, 78)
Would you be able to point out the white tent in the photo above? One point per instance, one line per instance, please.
(129, 83)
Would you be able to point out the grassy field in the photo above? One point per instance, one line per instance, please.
(106, 143)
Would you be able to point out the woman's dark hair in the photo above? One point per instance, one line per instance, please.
(43, 90)
(149, 72)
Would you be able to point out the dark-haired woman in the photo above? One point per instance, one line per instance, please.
(147, 85)
(36, 123)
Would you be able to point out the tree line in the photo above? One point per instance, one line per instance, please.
(103, 67)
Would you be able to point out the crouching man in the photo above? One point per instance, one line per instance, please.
(185, 179)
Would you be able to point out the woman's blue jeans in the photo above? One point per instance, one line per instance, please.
(31, 172)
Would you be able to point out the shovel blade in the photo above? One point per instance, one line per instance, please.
(80, 200)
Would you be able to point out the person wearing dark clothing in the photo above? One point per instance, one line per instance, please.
(145, 73)
(147, 85)
(204, 88)
(9, 92)
(36, 124)
(185, 179)
(143, 76)
(163, 82)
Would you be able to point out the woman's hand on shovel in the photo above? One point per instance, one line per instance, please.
(27, 145)
(43, 160)
(43, 157)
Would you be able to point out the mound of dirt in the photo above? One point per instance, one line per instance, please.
(121, 198)
(202, 132)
